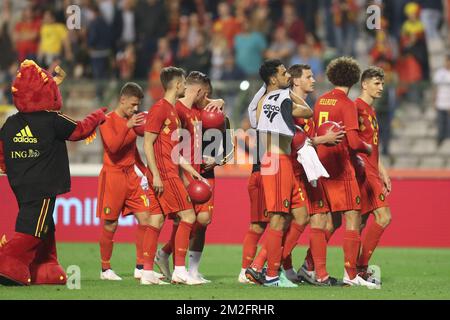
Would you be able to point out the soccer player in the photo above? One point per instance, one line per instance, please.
(302, 83)
(119, 185)
(341, 189)
(274, 115)
(161, 137)
(374, 181)
(258, 219)
(198, 88)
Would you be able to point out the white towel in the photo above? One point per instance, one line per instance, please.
(314, 169)
(253, 106)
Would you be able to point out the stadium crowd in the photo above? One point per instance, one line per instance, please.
(228, 40)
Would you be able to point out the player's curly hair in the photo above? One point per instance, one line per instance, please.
(343, 72)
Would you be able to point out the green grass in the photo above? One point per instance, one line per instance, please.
(406, 274)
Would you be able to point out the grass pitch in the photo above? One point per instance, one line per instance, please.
(406, 274)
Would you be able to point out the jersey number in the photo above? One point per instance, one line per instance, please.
(323, 117)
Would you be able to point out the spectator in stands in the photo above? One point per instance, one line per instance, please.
(54, 41)
(293, 24)
(194, 32)
(345, 25)
(26, 35)
(126, 62)
(7, 58)
(431, 15)
(200, 58)
(230, 70)
(441, 81)
(128, 17)
(413, 66)
(219, 52)
(305, 55)
(282, 47)
(260, 19)
(226, 23)
(151, 24)
(249, 48)
(100, 43)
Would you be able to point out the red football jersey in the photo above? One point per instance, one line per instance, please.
(308, 127)
(336, 106)
(369, 133)
(163, 119)
(119, 142)
(190, 120)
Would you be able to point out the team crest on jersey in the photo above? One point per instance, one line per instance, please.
(358, 200)
(286, 203)
(107, 210)
(382, 197)
(266, 214)
(321, 204)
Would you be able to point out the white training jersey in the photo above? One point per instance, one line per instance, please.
(276, 114)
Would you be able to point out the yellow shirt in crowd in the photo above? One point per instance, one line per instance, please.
(52, 37)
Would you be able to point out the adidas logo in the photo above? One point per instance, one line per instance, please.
(25, 136)
(271, 111)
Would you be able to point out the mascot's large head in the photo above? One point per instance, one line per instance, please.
(34, 89)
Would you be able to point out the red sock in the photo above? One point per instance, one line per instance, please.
(249, 247)
(274, 251)
(318, 249)
(168, 247)
(352, 242)
(261, 258)
(287, 262)
(150, 245)
(370, 242)
(182, 243)
(293, 234)
(106, 248)
(309, 258)
(139, 244)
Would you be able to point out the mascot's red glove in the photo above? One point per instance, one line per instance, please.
(86, 127)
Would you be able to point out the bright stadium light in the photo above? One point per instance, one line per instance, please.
(244, 85)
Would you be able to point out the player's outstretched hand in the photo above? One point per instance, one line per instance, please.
(335, 137)
(136, 120)
(216, 105)
(198, 176)
(157, 186)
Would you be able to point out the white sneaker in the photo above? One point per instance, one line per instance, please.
(149, 277)
(243, 279)
(159, 275)
(358, 281)
(138, 273)
(183, 277)
(109, 275)
(163, 264)
(200, 277)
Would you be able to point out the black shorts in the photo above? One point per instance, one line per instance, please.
(36, 217)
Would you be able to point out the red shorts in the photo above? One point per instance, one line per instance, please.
(120, 191)
(282, 191)
(342, 195)
(258, 212)
(315, 197)
(208, 206)
(372, 196)
(174, 197)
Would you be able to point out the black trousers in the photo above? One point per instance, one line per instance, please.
(36, 217)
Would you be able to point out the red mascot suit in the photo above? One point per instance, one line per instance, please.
(33, 154)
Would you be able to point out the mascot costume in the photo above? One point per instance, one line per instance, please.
(33, 154)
